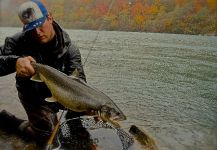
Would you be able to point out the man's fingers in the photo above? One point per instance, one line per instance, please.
(31, 69)
(24, 67)
(23, 73)
(31, 59)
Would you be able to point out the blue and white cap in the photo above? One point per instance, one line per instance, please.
(33, 14)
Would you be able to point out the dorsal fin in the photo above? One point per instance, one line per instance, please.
(75, 76)
(75, 73)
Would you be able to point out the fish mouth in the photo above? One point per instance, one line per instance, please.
(111, 115)
(118, 118)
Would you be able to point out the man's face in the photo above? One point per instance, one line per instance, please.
(45, 32)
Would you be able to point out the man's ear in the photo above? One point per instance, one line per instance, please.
(50, 17)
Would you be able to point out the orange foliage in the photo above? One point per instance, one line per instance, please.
(168, 24)
(80, 12)
(102, 9)
(86, 1)
(197, 5)
(122, 4)
(138, 8)
(153, 9)
(180, 2)
(139, 19)
(43, 1)
(114, 24)
(182, 16)
(212, 5)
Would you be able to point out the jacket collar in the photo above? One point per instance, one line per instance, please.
(64, 39)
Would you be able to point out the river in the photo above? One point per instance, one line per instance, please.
(164, 83)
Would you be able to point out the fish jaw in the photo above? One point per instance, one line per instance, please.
(106, 119)
(109, 114)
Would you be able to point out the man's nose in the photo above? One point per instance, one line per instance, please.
(38, 31)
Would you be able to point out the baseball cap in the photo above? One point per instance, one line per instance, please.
(32, 14)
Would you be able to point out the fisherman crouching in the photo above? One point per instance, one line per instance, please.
(44, 41)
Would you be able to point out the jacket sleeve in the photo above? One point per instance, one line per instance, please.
(8, 57)
(73, 61)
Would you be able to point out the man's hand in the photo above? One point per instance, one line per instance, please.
(24, 67)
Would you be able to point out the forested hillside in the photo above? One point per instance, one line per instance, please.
(168, 16)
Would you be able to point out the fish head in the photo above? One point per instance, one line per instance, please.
(111, 115)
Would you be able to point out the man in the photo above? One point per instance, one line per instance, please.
(42, 40)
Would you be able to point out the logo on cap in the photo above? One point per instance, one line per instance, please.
(33, 14)
(29, 15)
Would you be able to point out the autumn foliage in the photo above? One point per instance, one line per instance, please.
(171, 16)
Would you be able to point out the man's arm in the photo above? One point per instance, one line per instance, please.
(11, 62)
(7, 58)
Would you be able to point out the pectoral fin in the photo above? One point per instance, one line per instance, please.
(36, 78)
(50, 99)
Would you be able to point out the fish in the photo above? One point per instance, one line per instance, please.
(76, 95)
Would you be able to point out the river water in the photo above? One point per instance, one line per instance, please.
(164, 83)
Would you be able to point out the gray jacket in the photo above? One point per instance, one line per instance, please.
(64, 58)
(62, 54)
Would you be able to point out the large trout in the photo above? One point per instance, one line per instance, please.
(77, 95)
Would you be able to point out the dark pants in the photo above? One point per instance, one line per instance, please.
(41, 114)
(42, 119)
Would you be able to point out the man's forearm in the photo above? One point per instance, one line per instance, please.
(7, 64)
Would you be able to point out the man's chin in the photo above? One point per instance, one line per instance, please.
(42, 41)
